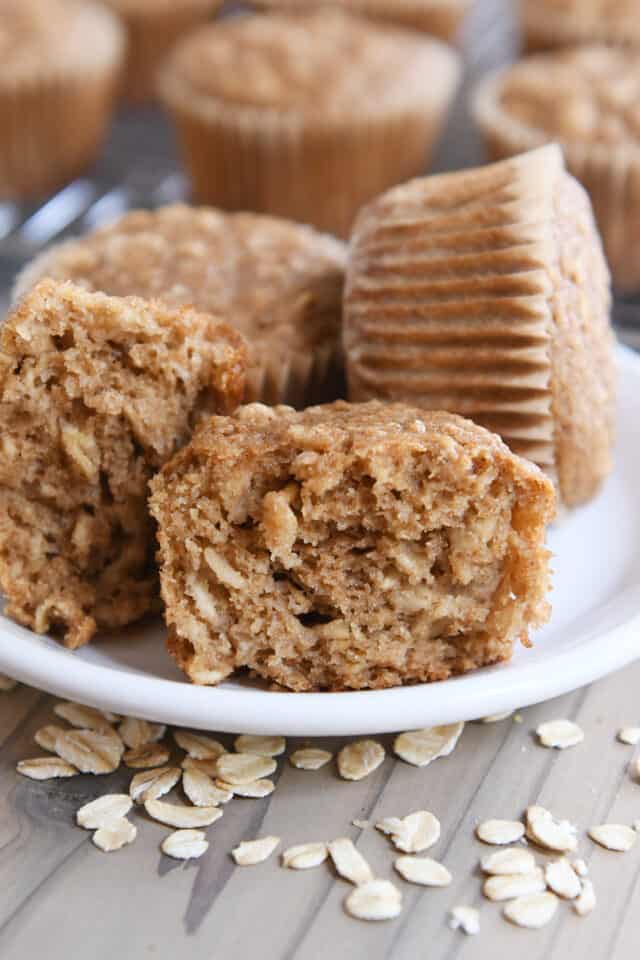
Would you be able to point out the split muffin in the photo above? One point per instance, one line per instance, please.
(485, 292)
(279, 283)
(96, 393)
(549, 24)
(586, 99)
(349, 546)
(440, 18)
(59, 66)
(153, 28)
(305, 116)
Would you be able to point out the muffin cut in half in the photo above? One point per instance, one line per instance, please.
(349, 546)
(485, 292)
(96, 393)
(279, 283)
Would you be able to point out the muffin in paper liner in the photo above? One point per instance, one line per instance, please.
(440, 18)
(279, 283)
(586, 100)
(550, 24)
(485, 292)
(153, 27)
(306, 116)
(59, 67)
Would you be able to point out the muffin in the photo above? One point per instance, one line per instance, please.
(440, 18)
(586, 99)
(549, 24)
(349, 546)
(305, 116)
(485, 292)
(96, 393)
(153, 27)
(278, 283)
(59, 67)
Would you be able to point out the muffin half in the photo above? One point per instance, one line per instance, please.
(306, 116)
(485, 292)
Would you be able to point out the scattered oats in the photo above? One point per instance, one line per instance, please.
(117, 834)
(147, 756)
(45, 737)
(420, 747)
(205, 766)
(358, 760)
(262, 746)
(498, 832)
(304, 855)
(630, 735)
(254, 790)
(508, 887)
(587, 899)
(466, 919)
(361, 824)
(153, 784)
(414, 833)
(512, 861)
(496, 717)
(104, 811)
(90, 751)
(87, 718)
(135, 733)
(349, 862)
(560, 734)
(250, 852)
(198, 746)
(309, 758)
(423, 870)
(543, 829)
(239, 768)
(202, 791)
(580, 868)
(377, 900)
(187, 817)
(532, 911)
(185, 844)
(45, 768)
(562, 879)
(614, 836)
(7, 684)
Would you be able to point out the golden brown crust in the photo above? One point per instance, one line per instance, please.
(553, 24)
(485, 292)
(293, 132)
(279, 283)
(96, 393)
(348, 546)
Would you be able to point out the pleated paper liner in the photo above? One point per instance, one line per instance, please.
(454, 310)
(299, 378)
(307, 167)
(546, 28)
(609, 173)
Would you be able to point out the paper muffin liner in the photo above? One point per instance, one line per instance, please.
(547, 29)
(53, 126)
(449, 304)
(312, 169)
(152, 31)
(299, 379)
(610, 175)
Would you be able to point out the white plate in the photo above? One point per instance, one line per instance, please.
(595, 628)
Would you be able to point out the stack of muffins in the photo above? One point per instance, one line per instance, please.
(342, 545)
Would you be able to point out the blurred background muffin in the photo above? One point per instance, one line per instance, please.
(305, 116)
(59, 67)
(153, 27)
(588, 100)
(548, 24)
(441, 18)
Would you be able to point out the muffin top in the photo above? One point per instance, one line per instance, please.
(588, 94)
(52, 35)
(324, 61)
(279, 283)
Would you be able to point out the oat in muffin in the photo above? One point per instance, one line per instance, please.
(96, 393)
(349, 546)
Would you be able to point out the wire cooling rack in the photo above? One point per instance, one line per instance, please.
(139, 166)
